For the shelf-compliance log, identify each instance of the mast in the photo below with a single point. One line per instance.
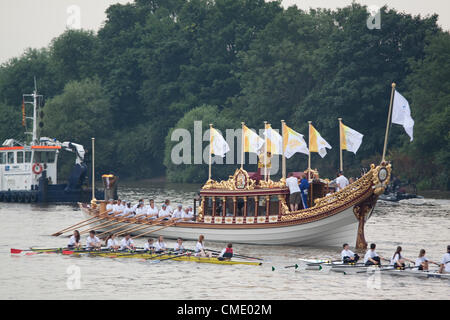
(341, 166)
(93, 168)
(388, 122)
(265, 152)
(35, 113)
(210, 134)
(283, 157)
(309, 146)
(242, 145)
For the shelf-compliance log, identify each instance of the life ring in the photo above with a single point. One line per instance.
(37, 168)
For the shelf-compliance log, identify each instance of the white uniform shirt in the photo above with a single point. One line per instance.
(152, 211)
(292, 184)
(199, 247)
(163, 213)
(116, 208)
(420, 260)
(160, 246)
(72, 241)
(177, 214)
(347, 253)
(187, 214)
(446, 262)
(112, 243)
(341, 182)
(148, 246)
(395, 259)
(178, 247)
(169, 208)
(124, 243)
(91, 242)
(370, 254)
(109, 206)
(141, 211)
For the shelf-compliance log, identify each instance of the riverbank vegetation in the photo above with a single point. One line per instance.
(158, 65)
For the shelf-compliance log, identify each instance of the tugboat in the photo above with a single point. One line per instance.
(28, 171)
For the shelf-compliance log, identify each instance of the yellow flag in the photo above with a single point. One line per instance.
(316, 142)
(350, 139)
(293, 142)
(252, 141)
(274, 140)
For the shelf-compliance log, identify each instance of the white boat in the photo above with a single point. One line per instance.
(243, 210)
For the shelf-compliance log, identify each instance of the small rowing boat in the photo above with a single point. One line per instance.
(417, 273)
(144, 255)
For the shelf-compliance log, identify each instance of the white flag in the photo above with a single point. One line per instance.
(350, 139)
(252, 141)
(274, 140)
(293, 142)
(401, 114)
(218, 144)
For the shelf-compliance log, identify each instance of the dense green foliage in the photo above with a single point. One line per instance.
(159, 65)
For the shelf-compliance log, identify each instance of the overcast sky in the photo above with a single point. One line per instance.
(34, 23)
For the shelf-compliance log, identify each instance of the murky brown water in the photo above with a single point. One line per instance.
(413, 224)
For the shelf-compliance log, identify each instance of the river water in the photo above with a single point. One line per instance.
(413, 224)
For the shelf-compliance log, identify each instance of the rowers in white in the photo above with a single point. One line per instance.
(178, 213)
(200, 248)
(422, 261)
(140, 211)
(74, 241)
(167, 203)
(160, 245)
(187, 214)
(398, 260)
(164, 213)
(152, 210)
(127, 243)
(178, 247)
(112, 243)
(445, 263)
(92, 241)
(347, 255)
(110, 206)
(371, 257)
(149, 246)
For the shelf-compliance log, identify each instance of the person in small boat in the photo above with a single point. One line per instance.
(127, 212)
(398, 261)
(112, 243)
(178, 247)
(164, 213)
(422, 261)
(200, 248)
(226, 253)
(92, 241)
(445, 262)
(188, 214)
(110, 206)
(168, 207)
(149, 246)
(294, 190)
(176, 215)
(117, 208)
(140, 211)
(304, 187)
(347, 255)
(74, 241)
(152, 210)
(127, 243)
(137, 204)
(371, 257)
(160, 245)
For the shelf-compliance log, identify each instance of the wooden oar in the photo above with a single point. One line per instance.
(151, 231)
(80, 224)
(140, 227)
(237, 255)
(175, 256)
(126, 224)
(110, 222)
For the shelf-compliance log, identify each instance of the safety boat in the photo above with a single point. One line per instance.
(28, 170)
(246, 210)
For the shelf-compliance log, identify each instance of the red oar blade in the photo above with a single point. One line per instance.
(67, 252)
(16, 250)
(31, 253)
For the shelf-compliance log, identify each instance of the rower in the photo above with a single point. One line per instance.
(167, 203)
(445, 263)
(92, 241)
(117, 206)
(200, 248)
(110, 206)
(137, 205)
(74, 241)
(422, 262)
(347, 255)
(188, 214)
(178, 212)
(149, 246)
(127, 212)
(178, 247)
(127, 243)
(112, 243)
(398, 261)
(140, 211)
(160, 245)
(371, 257)
(152, 210)
(164, 212)
(226, 253)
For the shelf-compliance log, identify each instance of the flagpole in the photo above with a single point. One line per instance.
(283, 157)
(341, 166)
(265, 152)
(309, 146)
(210, 135)
(242, 146)
(388, 122)
(93, 168)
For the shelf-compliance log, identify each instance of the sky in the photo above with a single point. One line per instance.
(34, 23)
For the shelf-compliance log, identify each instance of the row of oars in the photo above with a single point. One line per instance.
(112, 220)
